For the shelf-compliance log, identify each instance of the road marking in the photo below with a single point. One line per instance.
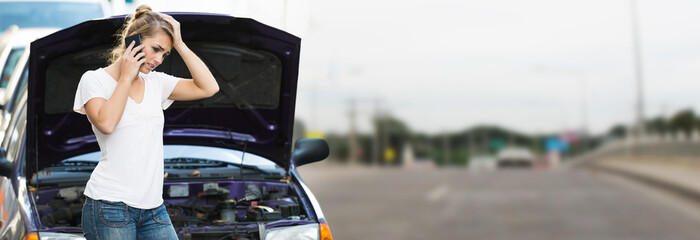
(438, 193)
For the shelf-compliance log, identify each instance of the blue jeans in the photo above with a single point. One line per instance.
(115, 220)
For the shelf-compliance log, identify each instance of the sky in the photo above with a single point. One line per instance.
(537, 66)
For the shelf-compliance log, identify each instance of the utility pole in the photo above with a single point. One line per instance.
(446, 147)
(470, 146)
(470, 143)
(385, 137)
(376, 153)
(639, 122)
(353, 132)
(584, 104)
(486, 142)
(584, 114)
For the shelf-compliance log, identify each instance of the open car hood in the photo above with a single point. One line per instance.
(255, 65)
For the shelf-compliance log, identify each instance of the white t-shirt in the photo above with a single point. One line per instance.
(130, 169)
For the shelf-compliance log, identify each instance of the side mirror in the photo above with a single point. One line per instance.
(6, 167)
(309, 150)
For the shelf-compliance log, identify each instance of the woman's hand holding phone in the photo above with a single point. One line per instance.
(133, 38)
(131, 61)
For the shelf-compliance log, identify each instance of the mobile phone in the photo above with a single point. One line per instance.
(133, 38)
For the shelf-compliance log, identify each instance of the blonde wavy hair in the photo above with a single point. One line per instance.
(145, 22)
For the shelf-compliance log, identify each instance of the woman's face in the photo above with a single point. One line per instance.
(156, 48)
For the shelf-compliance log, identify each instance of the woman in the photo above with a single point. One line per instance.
(124, 102)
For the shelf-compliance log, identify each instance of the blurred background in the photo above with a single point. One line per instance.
(501, 119)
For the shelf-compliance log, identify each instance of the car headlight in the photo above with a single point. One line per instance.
(303, 232)
(60, 236)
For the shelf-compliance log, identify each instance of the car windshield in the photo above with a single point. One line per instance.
(17, 93)
(10, 64)
(182, 162)
(47, 14)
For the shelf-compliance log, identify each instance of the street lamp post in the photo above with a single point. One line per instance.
(639, 128)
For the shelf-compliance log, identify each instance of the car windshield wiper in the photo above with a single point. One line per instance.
(195, 163)
(72, 166)
(208, 168)
(65, 173)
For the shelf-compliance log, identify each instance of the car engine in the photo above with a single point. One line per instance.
(198, 210)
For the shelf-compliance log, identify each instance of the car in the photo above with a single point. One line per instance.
(230, 172)
(14, 55)
(515, 157)
(10, 218)
(50, 13)
(4, 37)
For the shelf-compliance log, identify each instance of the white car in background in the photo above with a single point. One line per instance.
(50, 13)
(23, 21)
(14, 59)
(515, 157)
(14, 55)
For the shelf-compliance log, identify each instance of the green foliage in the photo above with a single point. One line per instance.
(392, 134)
(438, 157)
(657, 125)
(460, 157)
(456, 156)
(618, 131)
(684, 121)
(339, 147)
(421, 145)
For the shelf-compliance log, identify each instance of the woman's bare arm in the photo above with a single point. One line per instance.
(202, 84)
(105, 114)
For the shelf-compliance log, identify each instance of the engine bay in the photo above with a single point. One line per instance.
(198, 210)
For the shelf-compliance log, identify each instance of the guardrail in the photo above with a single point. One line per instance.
(670, 163)
(676, 147)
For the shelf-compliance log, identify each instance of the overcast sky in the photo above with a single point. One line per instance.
(444, 65)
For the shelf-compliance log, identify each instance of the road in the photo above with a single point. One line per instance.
(375, 203)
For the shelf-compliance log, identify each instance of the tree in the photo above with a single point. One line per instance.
(618, 131)
(657, 125)
(391, 136)
(683, 121)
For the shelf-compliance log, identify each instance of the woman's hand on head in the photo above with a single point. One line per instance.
(176, 28)
(131, 61)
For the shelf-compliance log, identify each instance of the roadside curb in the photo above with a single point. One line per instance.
(654, 181)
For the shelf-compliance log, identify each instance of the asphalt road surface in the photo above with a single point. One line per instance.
(373, 203)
